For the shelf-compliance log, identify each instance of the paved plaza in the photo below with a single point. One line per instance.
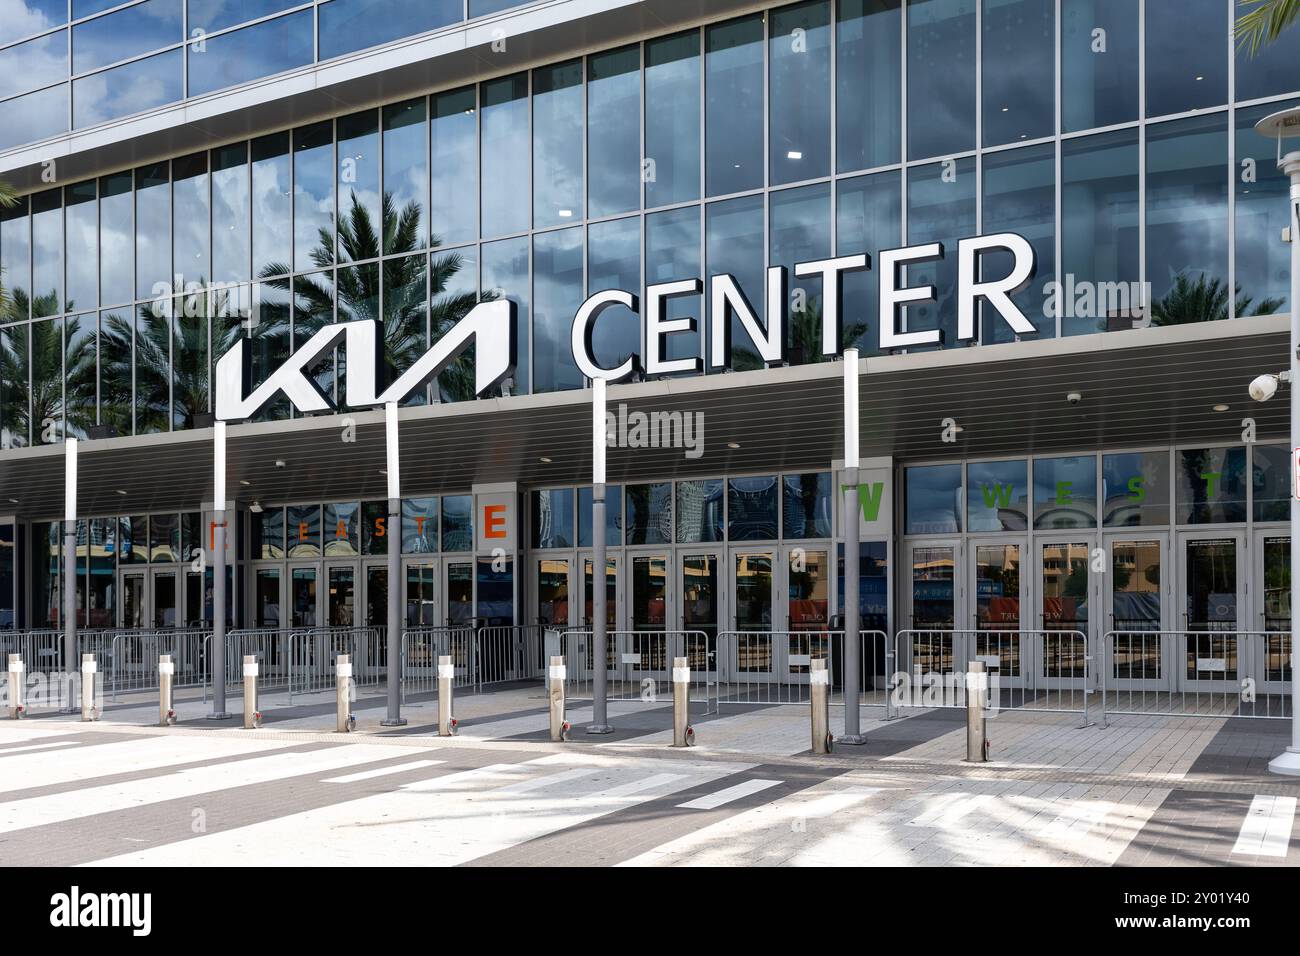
(1141, 790)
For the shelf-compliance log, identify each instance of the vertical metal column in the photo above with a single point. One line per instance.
(88, 671)
(977, 701)
(555, 677)
(166, 670)
(70, 567)
(819, 696)
(219, 573)
(393, 535)
(599, 628)
(683, 733)
(852, 533)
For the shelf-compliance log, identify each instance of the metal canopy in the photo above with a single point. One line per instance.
(1140, 388)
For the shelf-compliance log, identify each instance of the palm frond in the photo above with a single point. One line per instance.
(1264, 23)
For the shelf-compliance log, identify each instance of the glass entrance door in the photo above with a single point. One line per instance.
(1064, 584)
(551, 592)
(612, 605)
(1272, 600)
(700, 593)
(933, 597)
(267, 599)
(460, 593)
(753, 593)
(166, 599)
(808, 610)
(641, 652)
(997, 599)
(133, 604)
(341, 595)
(376, 601)
(421, 597)
(303, 603)
(1136, 656)
(1211, 599)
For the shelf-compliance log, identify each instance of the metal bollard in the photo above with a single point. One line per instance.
(683, 732)
(555, 677)
(447, 724)
(88, 669)
(166, 670)
(346, 720)
(819, 686)
(17, 707)
(252, 717)
(977, 701)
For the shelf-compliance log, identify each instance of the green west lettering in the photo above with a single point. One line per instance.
(1064, 492)
(997, 495)
(1136, 491)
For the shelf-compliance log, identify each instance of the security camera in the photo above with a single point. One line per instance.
(1074, 398)
(1263, 387)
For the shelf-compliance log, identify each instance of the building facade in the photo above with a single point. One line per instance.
(197, 172)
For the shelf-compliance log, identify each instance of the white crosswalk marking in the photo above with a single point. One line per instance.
(1077, 819)
(50, 746)
(383, 771)
(74, 804)
(547, 782)
(659, 781)
(832, 803)
(1266, 831)
(714, 800)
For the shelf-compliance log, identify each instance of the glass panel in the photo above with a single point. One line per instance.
(33, 16)
(303, 523)
(649, 592)
(116, 332)
(1065, 492)
(505, 166)
(341, 526)
(189, 362)
(868, 218)
(1186, 59)
(1277, 593)
(164, 538)
(460, 593)
(268, 533)
(1135, 609)
(940, 208)
(1260, 215)
(313, 196)
(1020, 197)
(272, 242)
(457, 523)
(1268, 71)
(374, 527)
(672, 119)
(553, 591)
(1271, 483)
(358, 189)
(358, 298)
(941, 77)
(1065, 608)
(1211, 485)
(303, 587)
(799, 93)
(672, 251)
(807, 510)
(81, 374)
(453, 282)
(557, 144)
(736, 248)
(868, 74)
(933, 499)
(421, 609)
(799, 230)
(1099, 63)
(349, 25)
(649, 513)
(47, 403)
(253, 52)
(313, 310)
(1099, 247)
(614, 262)
(128, 89)
(133, 540)
(147, 26)
(754, 611)
(1187, 220)
(614, 143)
(496, 593)
(35, 116)
(47, 252)
(269, 343)
(810, 591)
(1211, 568)
(133, 609)
(1017, 53)
(700, 593)
(165, 600)
(405, 317)
(557, 295)
(1136, 488)
(611, 593)
(733, 84)
(613, 516)
(230, 223)
(419, 525)
(997, 496)
(505, 276)
(377, 603)
(997, 604)
(406, 177)
(933, 589)
(116, 241)
(699, 511)
(453, 132)
(752, 509)
(342, 597)
(153, 270)
(552, 514)
(873, 590)
(189, 221)
(80, 216)
(153, 334)
(212, 15)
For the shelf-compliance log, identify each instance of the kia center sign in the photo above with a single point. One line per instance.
(491, 328)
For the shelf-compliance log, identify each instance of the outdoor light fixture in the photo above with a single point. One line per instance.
(544, 460)
(255, 507)
(794, 154)
(1285, 125)
(733, 445)
(1220, 407)
(245, 482)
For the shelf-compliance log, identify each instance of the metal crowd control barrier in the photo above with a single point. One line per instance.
(481, 655)
(775, 667)
(303, 660)
(638, 664)
(1197, 673)
(1028, 669)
